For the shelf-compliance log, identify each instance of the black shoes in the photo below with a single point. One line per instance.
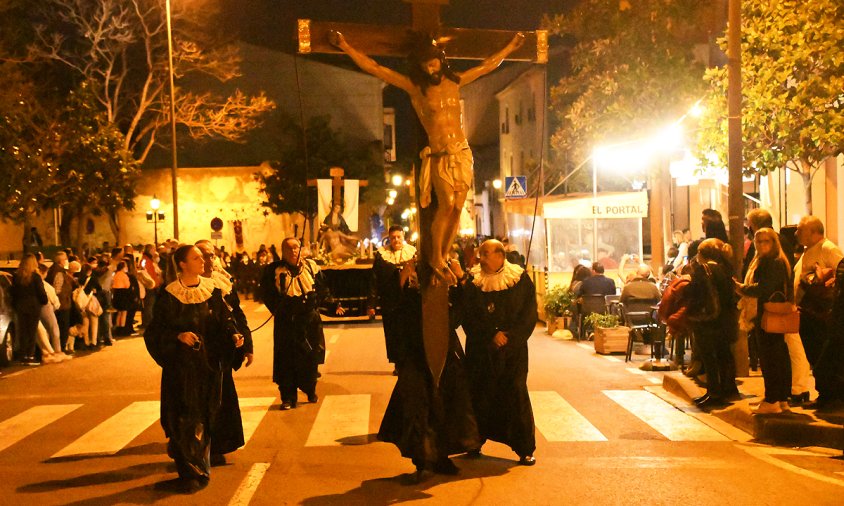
(712, 402)
(798, 399)
(527, 460)
(287, 406)
(218, 459)
(313, 398)
(30, 361)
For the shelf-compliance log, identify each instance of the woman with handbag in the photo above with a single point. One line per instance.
(768, 281)
(89, 306)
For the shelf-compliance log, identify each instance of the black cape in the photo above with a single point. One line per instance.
(228, 426)
(498, 376)
(191, 379)
(428, 423)
(298, 338)
(386, 286)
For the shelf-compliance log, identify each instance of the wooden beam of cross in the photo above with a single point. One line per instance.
(378, 40)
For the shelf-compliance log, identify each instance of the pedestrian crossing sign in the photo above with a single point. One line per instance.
(516, 187)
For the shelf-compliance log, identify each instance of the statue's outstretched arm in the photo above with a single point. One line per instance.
(369, 65)
(493, 61)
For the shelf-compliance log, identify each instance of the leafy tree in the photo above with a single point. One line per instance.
(28, 141)
(633, 71)
(792, 82)
(60, 153)
(96, 173)
(285, 185)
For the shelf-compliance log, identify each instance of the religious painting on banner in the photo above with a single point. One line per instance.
(350, 198)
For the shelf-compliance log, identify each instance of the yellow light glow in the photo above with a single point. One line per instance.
(398, 180)
(496, 183)
(697, 110)
(393, 194)
(155, 204)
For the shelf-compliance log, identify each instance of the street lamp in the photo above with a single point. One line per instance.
(154, 216)
(496, 183)
(174, 168)
(398, 180)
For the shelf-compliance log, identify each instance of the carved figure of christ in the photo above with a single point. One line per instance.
(448, 159)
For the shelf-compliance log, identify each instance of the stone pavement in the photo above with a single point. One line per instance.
(801, 427)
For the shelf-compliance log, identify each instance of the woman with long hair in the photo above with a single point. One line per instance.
(769, 278)
(713, 319)
(28, 296)
(191, 336)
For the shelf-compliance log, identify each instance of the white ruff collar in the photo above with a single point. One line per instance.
(505, 278)
(192, 294)
(222, 280)
(397, 257)
(299, 285)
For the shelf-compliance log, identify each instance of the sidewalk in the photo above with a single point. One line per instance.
(801, 427)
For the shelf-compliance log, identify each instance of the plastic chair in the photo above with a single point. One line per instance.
(638, 316)
(589, 304)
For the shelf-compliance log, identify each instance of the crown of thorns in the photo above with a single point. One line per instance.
(426, 46)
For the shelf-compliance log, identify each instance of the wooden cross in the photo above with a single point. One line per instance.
(376, 40)
(336, 174)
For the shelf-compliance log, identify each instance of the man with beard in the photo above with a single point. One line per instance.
(228, 425)
(499, 307)
(386, 285)
(447, 164)
(292, 289)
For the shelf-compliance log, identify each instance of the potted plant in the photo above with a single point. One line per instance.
(610, 337)
(558, 301)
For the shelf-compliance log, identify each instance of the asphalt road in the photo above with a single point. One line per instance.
(86, 432)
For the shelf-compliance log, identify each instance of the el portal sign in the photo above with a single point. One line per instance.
(604, 206)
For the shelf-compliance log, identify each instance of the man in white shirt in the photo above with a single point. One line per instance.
(813, 270)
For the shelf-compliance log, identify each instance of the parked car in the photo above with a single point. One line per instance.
(7, 327)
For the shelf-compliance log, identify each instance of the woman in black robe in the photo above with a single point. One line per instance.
(191, 336)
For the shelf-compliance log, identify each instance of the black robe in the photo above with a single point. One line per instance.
(498, 376)
(191, 379)
(386, 285)
(424, 422)
(228, 426)
(298, 339)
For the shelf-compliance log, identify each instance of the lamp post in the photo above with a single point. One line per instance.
(154, 216)
(174, 167)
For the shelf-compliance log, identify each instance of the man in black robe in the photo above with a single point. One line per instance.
(499, 307)
(228, 425)
(292, 289)
(386, 287)
(426, 422)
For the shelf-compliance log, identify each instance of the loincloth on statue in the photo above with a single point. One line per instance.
(454, 166)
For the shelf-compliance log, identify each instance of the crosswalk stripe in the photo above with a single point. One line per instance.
(333, 339)
(557, 420)
(340, 417)
(249, 485)
(116, 432)
(252, 411)
(663, 417)
(30, 421)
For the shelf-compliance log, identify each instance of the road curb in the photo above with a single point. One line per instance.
(801, 427)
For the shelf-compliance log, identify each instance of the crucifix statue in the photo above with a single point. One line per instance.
(434, 91)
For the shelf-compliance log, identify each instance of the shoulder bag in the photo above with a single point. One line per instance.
(780, 317)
